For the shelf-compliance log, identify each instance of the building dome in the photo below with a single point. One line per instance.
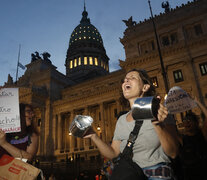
(86, 55)
(85, 32)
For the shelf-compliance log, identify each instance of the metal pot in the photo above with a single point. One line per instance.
(145, 108)
(80, 125)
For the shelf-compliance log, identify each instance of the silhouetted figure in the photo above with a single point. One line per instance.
(193, 154)
(46, 56)
(10, 80)
(166, 6)
(37, 55)
(33, 57)
(129, 23)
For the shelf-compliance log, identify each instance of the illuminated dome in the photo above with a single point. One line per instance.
(85, 32)
(86, 56)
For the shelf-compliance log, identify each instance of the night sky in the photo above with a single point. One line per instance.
(46, 25)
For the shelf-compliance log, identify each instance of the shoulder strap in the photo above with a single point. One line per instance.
(128, 152)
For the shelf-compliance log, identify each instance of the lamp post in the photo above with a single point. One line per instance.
(164, 74)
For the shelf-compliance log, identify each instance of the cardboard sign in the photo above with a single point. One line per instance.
(9, 110)
(178, 101)
(11, 169)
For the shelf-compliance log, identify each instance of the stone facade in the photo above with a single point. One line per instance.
(182, 35)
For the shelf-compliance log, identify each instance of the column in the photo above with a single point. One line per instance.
(42, 137)
(72, 137)
(59, 132)
(103, 125)
(67, 122)
(54, 129)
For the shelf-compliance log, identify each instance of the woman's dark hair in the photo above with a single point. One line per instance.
(146, 80)
(25, 130)
(28, 129)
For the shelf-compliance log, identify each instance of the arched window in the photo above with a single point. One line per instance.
(85, 61)
(96, 61)
(75, 62)
(90, 60)
(71, 64)
(79, 61)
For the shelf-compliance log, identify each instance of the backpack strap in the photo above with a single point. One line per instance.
(128, 152)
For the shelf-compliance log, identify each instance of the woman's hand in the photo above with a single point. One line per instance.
(161, 115)
(89, 133)
(2, 137)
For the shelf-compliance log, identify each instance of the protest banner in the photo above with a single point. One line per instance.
(178, 101)
(14, 169)
(9, 110)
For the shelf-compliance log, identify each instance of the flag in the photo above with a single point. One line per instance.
(21, 66)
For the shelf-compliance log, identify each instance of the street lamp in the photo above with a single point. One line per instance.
(164, 74)
(98, 128)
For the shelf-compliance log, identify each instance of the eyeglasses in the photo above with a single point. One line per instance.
(29, 111)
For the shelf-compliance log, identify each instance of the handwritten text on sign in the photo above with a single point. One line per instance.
(178, 101)
(9, 110)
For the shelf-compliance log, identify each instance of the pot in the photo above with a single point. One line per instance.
(145, 108)
(80, 125)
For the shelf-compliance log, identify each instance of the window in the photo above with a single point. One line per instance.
(71, 64)
(178, 76)
(75, 62)
(173, 38)
(154, 81)
(85, 61)
(198, 29)
(165, 41)
(79, 61)
(169, 39)
(90, 60)
(96, 61)
(203, 68)
(143, 48)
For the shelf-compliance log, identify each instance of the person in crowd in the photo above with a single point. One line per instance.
(157, 141)
(23, 144)
(203, 121)
(193, 152)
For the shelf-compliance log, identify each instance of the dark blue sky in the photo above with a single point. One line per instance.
(46, 25)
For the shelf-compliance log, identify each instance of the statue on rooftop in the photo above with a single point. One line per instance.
(46, 56)
(10, 80)
(37, 55)
(166, 6)
(33, 57)
(129, 23)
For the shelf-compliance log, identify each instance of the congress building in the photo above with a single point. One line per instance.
(89, 88)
